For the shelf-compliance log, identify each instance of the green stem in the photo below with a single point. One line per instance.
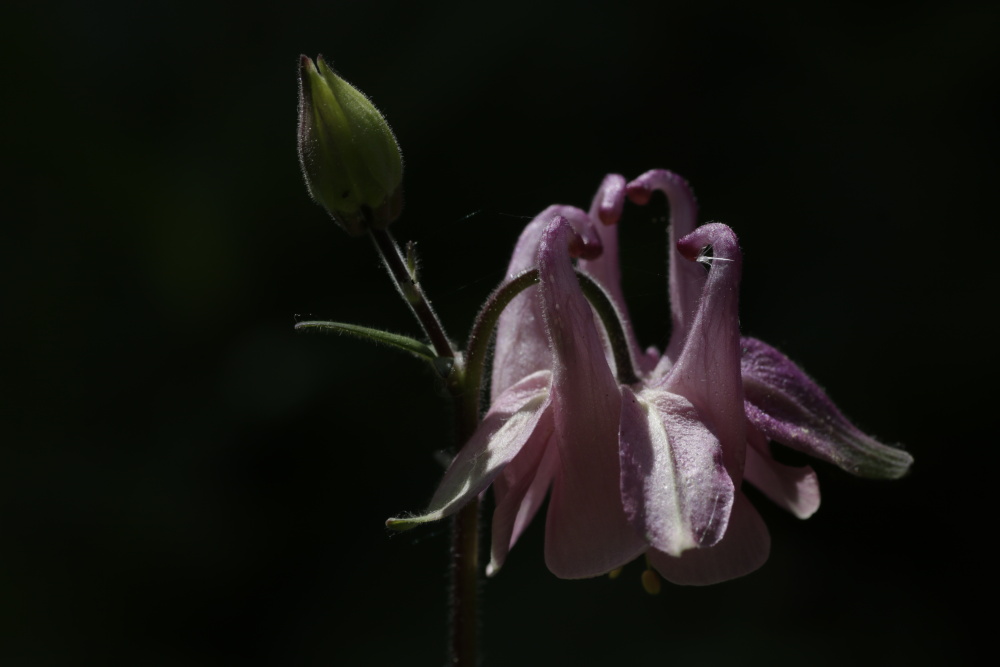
(464, 641)
(606, 310)
(486, 320)
(465, 524)
(464, 573)
(482, 332)
(409, 288)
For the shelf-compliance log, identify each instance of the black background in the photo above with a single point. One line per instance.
(185, 481)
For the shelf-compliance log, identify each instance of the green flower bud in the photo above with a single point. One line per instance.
(349, 156)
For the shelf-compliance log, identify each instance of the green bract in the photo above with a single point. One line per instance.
(349, 155)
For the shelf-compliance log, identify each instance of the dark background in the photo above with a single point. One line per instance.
(185, 481)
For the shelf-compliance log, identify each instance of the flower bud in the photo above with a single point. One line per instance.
(349, 156)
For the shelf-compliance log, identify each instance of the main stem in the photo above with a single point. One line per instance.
(464, 576)
(463, 642)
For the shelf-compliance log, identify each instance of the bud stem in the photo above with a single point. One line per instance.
(410, 290)
(464, 575)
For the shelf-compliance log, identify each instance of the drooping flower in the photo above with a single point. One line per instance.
(782, 403)
(657, 466)
(666, 489)
(533, 431)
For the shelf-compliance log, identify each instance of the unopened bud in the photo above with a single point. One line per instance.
(349, 155)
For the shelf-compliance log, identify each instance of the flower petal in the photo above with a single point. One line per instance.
(607, 207)
(790, 408)
(609, 202)
(686, 279)
(605, 269)
(522, 346)
(707, 372)
(507, 427)
(675, 489)
(794, 489)
(744, 548)
(586, 531)
(520, 491)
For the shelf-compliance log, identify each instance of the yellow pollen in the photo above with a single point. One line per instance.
(651, 582)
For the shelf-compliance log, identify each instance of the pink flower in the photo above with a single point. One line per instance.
(651, 461)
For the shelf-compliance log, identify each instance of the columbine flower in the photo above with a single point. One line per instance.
(667, 488)
(534, 434)
(782, 402)
(655, 465)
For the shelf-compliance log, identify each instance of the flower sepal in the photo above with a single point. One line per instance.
(788, 407)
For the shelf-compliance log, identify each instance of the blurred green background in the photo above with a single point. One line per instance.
(186, 481)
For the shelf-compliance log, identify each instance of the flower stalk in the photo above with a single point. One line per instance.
(464, 602)
(482, 332)
(410, 290)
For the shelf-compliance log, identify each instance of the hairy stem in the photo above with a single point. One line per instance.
(464, 573)
(613, 326)
(409, 288)
(482, 332)
(464, 640)
(466, 389)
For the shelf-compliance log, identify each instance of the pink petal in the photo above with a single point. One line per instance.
(520, 491)
(675, 489)
(686, 279)
(788, 407)
(522, 346)
(744, 548)
(587, 532)
(609, 202)
(607, 207)
(795, 489)
(507, 427)
(707, 372)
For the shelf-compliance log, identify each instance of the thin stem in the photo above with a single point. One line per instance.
(466, 389)
(465, 524)
(482, 331)
(464, 640)
(409, 288)
(605, 308)
(464, 574)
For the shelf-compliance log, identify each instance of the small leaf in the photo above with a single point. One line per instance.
(405, 343)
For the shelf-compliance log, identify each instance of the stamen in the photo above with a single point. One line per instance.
(708, 259)
(651, 582)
